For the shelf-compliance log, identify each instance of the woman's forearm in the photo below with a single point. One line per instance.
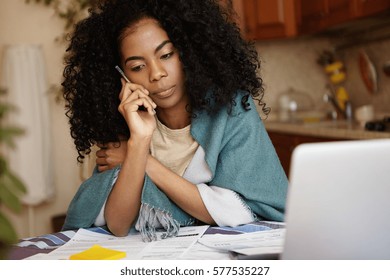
(124, 201)
(182, 192)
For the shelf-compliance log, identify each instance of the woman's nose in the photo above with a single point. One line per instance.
(157, 71)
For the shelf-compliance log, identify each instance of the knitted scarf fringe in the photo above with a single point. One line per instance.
(149, 217)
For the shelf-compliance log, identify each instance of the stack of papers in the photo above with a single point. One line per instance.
(191, 244)
(132, 245)
(253, 243)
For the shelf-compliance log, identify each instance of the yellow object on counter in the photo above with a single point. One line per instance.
(97, 252)
(342, 97)
(336, 66)
(336, 72)
(338, 77)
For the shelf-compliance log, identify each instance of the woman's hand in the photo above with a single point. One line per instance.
(123, 203)
(110, 155)
(133, 97)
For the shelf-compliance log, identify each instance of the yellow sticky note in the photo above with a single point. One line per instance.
(97, 252)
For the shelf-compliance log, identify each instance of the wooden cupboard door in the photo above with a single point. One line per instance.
(312, 14)
(338, 11)
(364, 8)
(319, 14)
(264, 19)
(285, 143)
(312, 10)
(271, 19)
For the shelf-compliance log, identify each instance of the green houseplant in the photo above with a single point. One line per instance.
(11, 187)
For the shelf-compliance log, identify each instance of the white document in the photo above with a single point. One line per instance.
(261, 242)
(135, 248)
(199, 251)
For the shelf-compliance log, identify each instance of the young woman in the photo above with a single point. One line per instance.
(181, 140)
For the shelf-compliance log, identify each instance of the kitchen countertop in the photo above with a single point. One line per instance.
(328, 129)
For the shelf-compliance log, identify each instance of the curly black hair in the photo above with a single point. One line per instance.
(211, 49)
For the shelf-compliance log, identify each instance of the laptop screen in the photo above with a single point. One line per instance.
(338, 201)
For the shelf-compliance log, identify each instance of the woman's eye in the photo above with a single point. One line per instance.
(137, 68)
(166, 56)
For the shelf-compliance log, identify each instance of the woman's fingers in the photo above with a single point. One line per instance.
(135, 105)
(102, 152)
(101, 160)
(102, 168)
(109, 157)
(135, 100)
(147, 104)
(128, 88)
(132, 92)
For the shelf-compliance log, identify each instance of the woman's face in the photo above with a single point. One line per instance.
(149, 59)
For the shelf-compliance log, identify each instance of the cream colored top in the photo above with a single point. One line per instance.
(174, 148)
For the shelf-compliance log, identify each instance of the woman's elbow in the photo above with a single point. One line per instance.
(208, 220)
(118, 230)
(118, 226)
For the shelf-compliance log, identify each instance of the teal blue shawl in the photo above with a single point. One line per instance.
(240, 156)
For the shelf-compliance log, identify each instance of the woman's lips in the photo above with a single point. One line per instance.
(165, 94)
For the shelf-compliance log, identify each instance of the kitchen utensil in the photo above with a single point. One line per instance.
(292, 103)
(364, 114)
(335, 69)
(368, 72)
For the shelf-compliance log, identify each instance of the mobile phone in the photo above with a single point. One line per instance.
(141, 108)
(122, 73)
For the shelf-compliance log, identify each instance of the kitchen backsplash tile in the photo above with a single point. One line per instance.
(292, 64)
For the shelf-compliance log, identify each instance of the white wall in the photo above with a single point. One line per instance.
(24, 24)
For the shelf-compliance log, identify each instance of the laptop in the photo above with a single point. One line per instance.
(338, 204)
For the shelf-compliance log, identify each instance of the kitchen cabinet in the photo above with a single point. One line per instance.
(285, 143)
(363, 8)
(319, 14)
(265, 19)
